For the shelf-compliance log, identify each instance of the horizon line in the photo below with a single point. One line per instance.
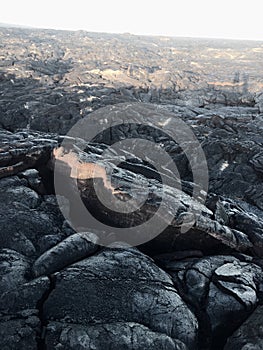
(24, 26)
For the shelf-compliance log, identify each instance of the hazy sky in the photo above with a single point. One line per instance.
(241, 19)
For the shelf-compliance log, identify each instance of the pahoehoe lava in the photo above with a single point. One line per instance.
(199, 290)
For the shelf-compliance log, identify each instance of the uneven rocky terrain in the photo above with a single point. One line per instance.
(59, 287)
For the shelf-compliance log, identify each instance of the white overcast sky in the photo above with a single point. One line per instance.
(241, 19)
